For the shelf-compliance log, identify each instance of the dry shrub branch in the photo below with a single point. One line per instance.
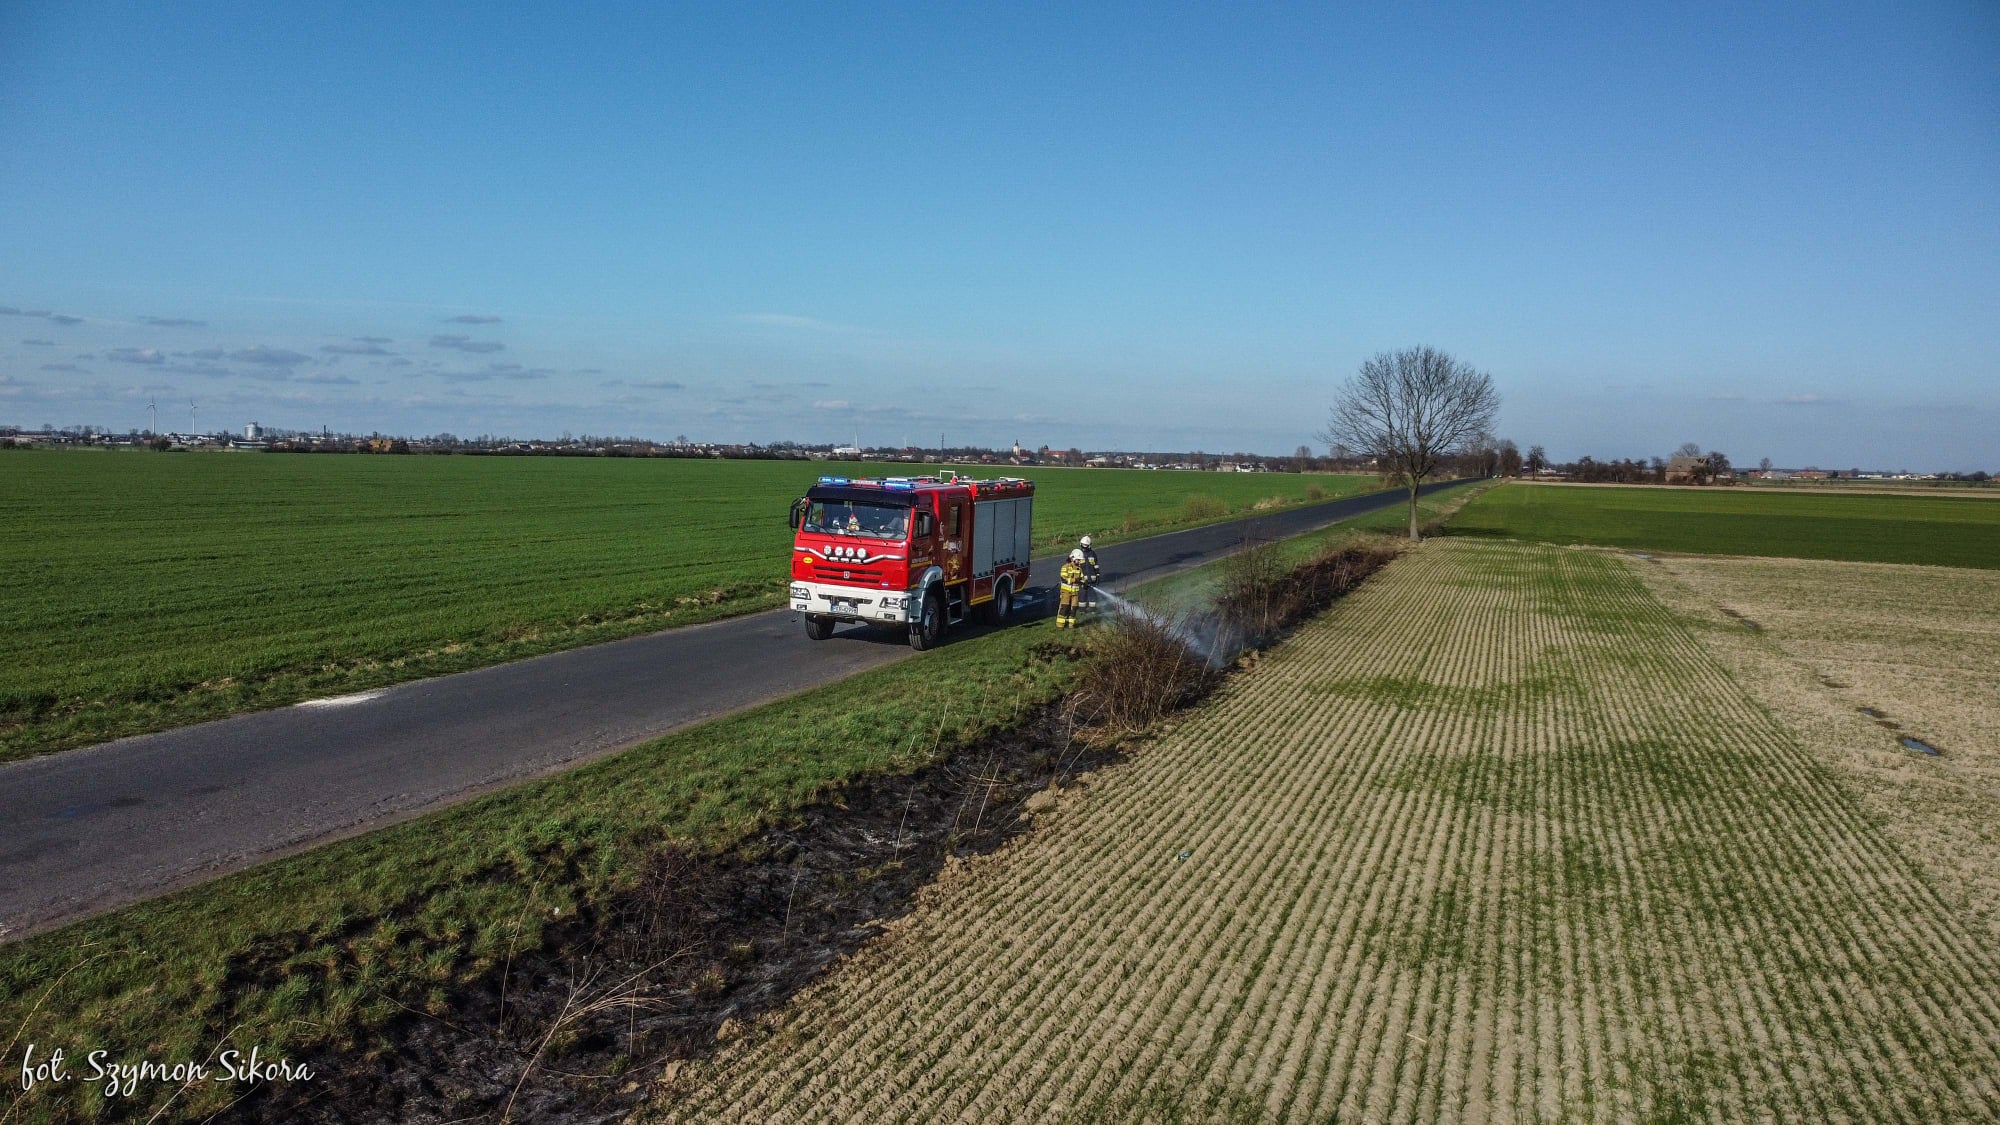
(1142, 669)
(1261, 598)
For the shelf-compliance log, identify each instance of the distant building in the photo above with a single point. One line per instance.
(1686, 470)
(253, 432)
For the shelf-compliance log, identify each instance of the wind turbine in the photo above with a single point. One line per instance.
(153, 414)
(191, 430)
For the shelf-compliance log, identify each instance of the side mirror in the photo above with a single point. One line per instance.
(798, 512)
(925, 525)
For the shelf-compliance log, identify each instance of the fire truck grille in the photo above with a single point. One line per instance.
(853, 572)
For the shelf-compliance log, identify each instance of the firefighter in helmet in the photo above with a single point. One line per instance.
(1090, 575)
(1072, 589)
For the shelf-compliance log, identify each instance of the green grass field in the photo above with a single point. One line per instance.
(1933, 530)
(145, 590)
(325, 947)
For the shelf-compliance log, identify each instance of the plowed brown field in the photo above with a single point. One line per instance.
(1497, 839)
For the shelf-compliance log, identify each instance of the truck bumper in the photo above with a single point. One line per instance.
(854, 603)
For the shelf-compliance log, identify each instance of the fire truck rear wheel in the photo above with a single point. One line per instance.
(819, 628)
(997, 611)
(930, 624)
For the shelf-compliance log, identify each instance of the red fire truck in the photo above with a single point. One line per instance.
(920, 552)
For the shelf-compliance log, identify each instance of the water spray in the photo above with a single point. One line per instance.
(1204, 634)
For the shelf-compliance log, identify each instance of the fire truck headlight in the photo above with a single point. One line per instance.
(799, 593)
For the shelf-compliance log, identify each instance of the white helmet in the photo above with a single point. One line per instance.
(1076, 555)
(1086, 540)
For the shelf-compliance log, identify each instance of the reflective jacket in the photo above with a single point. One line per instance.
(1072, 578)
(1089, 565)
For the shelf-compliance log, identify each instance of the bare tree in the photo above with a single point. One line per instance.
(1412, 410)
(1538, 459)
(1510, 458)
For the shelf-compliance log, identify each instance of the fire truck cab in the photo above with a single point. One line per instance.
(917, 552)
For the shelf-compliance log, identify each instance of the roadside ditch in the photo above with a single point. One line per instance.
(620, 994)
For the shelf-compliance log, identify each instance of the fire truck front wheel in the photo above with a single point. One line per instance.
(819, 628)
(929, 626)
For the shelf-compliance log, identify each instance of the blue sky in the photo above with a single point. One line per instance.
(1772, 230)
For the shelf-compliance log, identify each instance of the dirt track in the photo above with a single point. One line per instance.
(1498, 839)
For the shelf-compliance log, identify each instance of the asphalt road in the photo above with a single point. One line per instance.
(87, 830)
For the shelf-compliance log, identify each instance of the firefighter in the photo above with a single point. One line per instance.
(1090, 575)
(1072, 589)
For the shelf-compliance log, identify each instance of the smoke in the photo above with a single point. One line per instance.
(1202, 632)
(1258, 599)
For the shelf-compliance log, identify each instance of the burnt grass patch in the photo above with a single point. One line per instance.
(616, 997)
(577, 1029)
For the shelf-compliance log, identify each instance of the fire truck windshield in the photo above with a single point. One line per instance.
(853, 517)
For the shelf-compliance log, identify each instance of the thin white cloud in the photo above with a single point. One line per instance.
(1804, 400)
(269, 357)
(41, 314)
(467, 344)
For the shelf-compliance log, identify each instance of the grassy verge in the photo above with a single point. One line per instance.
(316, 951)
(169, 590)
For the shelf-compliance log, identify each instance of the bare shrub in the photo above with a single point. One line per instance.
(1142, 670)
(1203, 507)
(1315, 494)
(1261, 597)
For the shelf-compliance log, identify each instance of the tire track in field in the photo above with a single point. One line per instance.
(1496, 839)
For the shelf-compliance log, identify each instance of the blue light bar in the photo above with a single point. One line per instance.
(833, 480)
(903, 484)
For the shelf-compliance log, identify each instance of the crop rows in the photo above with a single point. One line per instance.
(1495, 840)
(1858, 656)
